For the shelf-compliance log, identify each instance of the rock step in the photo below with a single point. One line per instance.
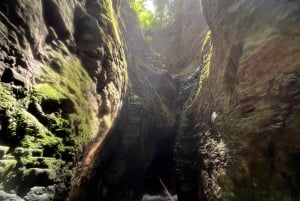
(20, 151)
(39, 176)
(9, 197)
(43, 158)
(41, 162)
(40, 193)
(8, 157)
(3, 151)
(6, 165)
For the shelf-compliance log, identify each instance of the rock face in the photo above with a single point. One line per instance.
(183, 47)
(63, 74)
(139, 148)
(241, 136)
(179, 44)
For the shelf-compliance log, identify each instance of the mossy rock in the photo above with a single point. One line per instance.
(41, 162)
(3, 150)
(39, 177)
(6, 165)
(48, 91)
(23, 152)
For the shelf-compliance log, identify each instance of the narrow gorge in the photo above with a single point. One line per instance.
(94, 109)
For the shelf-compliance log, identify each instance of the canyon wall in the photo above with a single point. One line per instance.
(179, 44)
(139, 148)
(244, 122)
(63, 75)
(210, 105)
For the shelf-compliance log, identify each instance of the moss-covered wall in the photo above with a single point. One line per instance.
(140, 144)
(57, 92)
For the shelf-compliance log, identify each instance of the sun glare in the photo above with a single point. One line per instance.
(150, 6)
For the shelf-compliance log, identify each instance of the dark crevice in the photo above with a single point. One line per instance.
(54, 19)
(7, 76)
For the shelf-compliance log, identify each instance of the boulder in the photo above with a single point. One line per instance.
(38, 193)
(3, 151)
(9, 197)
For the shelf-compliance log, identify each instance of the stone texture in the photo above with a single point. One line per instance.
(182, 47)
(139, 148)
(228, 107)
(39, 194)
(179, 44)
(53, 100)
(245, 118)
(3, 151)
(9, 197)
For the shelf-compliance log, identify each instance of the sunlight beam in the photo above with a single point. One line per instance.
(150, 6)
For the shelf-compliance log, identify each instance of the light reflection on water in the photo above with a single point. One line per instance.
(157, 198)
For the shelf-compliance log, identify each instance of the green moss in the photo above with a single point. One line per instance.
(14, 124)
(20, 128)
(7, 101)
(26, 131)
(45, 140)
(59, 134)
(111, 16)
(5, 95)
(29, 162)
(41, 162)
(6, 166)
(48, 91)
(52, 163)
(16, 127)
(72, 83)
(7, 170)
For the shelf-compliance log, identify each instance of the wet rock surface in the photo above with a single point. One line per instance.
(11, 197)
(52, 102)
(158, 198)
(40, 194)
(139, 148)
(243, 120)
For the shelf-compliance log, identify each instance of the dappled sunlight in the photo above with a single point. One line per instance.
(149, 5)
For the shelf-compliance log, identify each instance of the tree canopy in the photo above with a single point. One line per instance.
(145, 16)
(165, 12)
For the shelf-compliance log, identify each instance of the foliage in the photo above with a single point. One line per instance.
(166, 10)
(145, 17)
(164, 14)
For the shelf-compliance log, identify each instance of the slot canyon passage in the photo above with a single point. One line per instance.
(94, 108)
